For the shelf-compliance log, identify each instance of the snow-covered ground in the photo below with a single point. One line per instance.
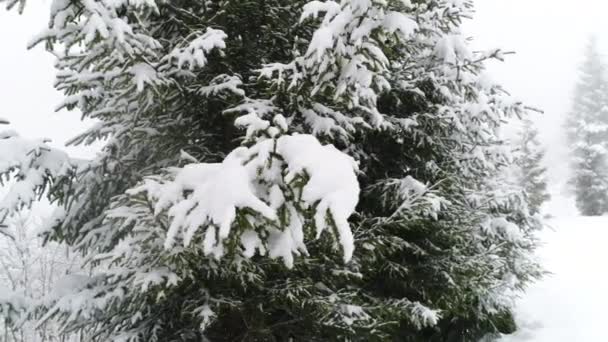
(568, 305)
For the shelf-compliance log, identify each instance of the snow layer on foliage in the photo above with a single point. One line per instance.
(143, 74)
(502, 227)
(452, 48)
(223, 83)
(252, 122)
(352, 313)
(340, 19)
(208, 196)
(425, 317)
(31, 162)
(344, 53)
(250, 242)
(155, 276)
(194, 54)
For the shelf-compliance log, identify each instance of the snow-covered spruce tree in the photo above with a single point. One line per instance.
(587, 132)
(531, 174)
(285, 170)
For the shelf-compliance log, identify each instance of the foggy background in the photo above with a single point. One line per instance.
(548, 37)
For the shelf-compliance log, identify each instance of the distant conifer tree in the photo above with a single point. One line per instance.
(532, 175)
(587, 131)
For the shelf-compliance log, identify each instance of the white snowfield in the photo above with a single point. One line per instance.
(570, 304)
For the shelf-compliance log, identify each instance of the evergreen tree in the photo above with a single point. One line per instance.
(531, 173)
(587, 131)
(266, 178)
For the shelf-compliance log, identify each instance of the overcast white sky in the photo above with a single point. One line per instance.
(27, 96)
(548, 36)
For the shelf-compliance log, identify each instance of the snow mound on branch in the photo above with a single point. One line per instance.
(217, 191)
(250, 186)
(332, 182)
(194, 55)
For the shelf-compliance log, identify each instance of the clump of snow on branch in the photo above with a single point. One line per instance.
(194, 53)
(270, 185)
(333, 183)
(30, 164)
(502, 227)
